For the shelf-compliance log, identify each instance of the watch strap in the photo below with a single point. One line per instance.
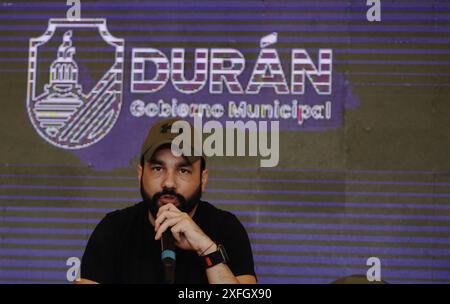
(216, 257)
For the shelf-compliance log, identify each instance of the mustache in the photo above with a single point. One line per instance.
(169, 191)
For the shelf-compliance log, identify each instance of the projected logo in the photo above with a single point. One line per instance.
(63, 112)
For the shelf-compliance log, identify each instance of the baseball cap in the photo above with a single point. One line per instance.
(161, 134)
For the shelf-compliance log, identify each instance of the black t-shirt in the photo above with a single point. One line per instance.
(123, 249)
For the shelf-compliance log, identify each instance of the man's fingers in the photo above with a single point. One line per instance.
(167, 207)
(167, 223)
(163, 216)
(177, 229)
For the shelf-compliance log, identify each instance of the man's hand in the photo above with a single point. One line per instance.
(187, 234)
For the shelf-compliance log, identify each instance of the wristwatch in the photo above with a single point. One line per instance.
(216, 257)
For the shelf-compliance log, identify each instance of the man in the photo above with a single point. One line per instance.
(212, 246)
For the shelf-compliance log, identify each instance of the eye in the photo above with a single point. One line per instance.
(184, 171)
(156, 168)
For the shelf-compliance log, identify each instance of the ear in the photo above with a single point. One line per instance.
(139, 172)
(204, 179)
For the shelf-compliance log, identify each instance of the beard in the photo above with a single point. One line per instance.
(184, 204)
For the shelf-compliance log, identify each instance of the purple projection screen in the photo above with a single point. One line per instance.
(360, 94)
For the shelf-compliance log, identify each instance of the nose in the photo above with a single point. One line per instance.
(169, 180)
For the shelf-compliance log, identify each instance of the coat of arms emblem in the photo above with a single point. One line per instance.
(63, 112)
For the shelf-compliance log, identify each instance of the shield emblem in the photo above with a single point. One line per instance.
(63, 111)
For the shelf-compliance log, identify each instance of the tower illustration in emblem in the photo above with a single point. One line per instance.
(64, 95)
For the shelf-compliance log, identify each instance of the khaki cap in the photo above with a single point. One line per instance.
(160, 134)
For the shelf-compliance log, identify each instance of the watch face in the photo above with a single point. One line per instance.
(223, 252)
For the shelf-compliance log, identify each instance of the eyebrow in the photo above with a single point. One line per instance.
(184, 163)
(156, 162)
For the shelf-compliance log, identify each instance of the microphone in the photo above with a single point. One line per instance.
(168, 256)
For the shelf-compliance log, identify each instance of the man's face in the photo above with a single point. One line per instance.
(168, 179)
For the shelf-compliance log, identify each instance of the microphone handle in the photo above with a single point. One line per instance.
(168, 241)
(168, 256)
